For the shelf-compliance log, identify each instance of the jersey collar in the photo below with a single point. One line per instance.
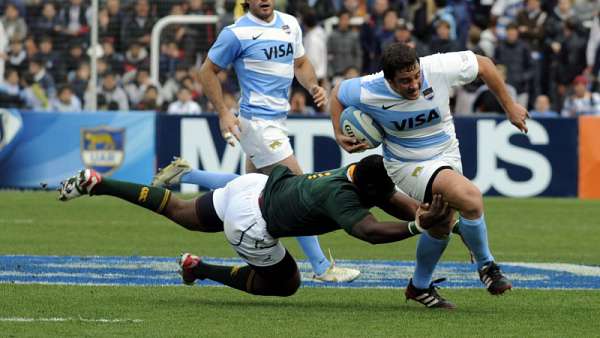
(262, 22)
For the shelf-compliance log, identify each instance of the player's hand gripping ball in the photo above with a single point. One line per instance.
(360, 125)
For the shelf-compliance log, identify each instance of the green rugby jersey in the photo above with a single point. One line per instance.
(311, 204)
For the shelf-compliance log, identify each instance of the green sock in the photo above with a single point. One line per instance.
(152, 198)
(237, 277)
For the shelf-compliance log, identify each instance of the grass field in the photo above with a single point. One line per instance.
(520, 230)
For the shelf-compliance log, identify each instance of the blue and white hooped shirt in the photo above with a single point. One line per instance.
(262, 54)
(415, 130)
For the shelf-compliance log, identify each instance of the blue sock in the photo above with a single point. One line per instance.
(474, 232)
(429, 252)
(312, 250)
(207, 179)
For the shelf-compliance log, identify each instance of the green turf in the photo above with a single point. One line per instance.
(530, 230)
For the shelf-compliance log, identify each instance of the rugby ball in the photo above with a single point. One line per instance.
(360, 125)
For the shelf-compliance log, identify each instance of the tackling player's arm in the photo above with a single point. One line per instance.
(434, 218)
(349, 144)
(305, 73)
(516, 113)
(228, 123)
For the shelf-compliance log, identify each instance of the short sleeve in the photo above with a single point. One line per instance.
(298, 46)
(349, 92)
(225, 50)
(459, 68)
(345, 209)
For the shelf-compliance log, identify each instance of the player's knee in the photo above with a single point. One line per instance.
(472, 202)
(292, 285)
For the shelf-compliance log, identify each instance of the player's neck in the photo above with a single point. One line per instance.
(267, 21)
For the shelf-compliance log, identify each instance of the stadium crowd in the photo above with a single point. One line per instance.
(547, 50)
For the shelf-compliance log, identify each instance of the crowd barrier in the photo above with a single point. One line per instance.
(558, 157)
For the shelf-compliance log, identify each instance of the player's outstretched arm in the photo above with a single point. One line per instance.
(349, 144)
(228, 123)
(515, 113)
(438, 214)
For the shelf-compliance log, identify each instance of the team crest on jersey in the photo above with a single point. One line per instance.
(428, 93)
(103, 148)
(286, 29)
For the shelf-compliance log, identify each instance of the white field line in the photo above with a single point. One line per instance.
(581, 270)
(68, 319)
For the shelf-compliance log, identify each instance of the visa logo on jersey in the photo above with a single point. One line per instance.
(418, 120)
(280, 51)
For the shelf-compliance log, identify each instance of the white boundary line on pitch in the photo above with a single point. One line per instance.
(68, 319)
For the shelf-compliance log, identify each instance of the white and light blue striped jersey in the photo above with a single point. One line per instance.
(263, 57)
(415, 130)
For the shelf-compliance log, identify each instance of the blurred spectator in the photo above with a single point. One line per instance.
(116, 17)
(581, 101)
(443, 12)
(403, 34)
(11, 95)
(343, 47)
(585, 10)
(73, 21)
(34, 94)
(351, 72)
(442, 41)
(80, 80)
(489, 39)
(17, 57)
(516, 56)
(170, 57)
(51, 57)
(322, 8)
(65, 101)
(570, 57)
(138, 26)
(486, 102)
(592, 54)
(14, 25)
(112, 92)
(531, 21)
(37, 69)
(542, 108)
(504, 12)
(136, 89)
(3, 49)
(298, 104)
(74, 56)
(184, 104)
(114, 59)
(150, 100)
(48, 23)
(30, 45)
(385, 33)
(173, 83)
(371, 46)
(315, 44)
(135, 57)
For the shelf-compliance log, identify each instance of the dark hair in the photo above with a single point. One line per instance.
(512, 25)
(344, 11)
(310, 18)
(398, 57)
(372, 180)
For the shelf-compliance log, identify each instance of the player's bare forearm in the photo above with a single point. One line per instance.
(490, 75)
(305, 73)
(212, 86)
(335, 109)
(401, 206)
(372, 231)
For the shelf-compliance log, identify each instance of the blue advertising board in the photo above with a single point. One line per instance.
(54, 146)
(496, 156)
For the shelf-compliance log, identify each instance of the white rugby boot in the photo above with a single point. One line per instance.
(336, 274)
(172, 173)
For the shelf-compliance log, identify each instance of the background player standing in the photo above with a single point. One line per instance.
(265, 48)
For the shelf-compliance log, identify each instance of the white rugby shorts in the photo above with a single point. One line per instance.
(237, 206)
(265, 142)
(413, 177)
